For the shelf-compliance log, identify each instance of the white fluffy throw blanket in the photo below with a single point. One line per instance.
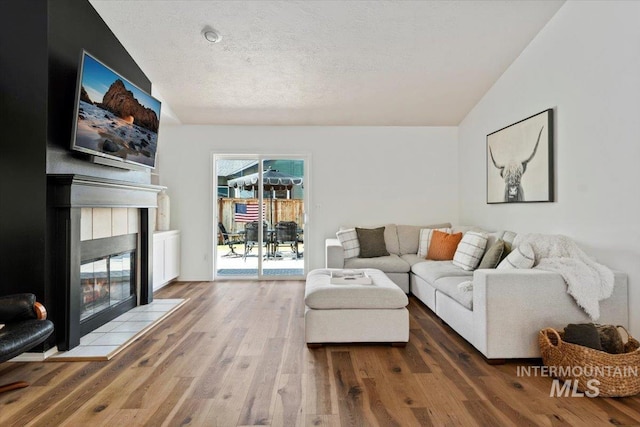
(587, 281)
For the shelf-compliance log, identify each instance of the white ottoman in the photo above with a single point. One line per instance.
(354, 313)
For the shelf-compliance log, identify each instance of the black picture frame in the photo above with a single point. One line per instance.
(520, 161)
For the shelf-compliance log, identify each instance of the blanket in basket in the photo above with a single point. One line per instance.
(588, 282)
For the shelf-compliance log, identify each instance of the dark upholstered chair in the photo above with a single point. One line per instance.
(230, 239)
(287, 234)
(24, 328)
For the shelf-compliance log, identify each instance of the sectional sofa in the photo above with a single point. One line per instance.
(505, 309)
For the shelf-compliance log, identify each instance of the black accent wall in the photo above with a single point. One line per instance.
(74, 25)
(23, 149)
(40, 44)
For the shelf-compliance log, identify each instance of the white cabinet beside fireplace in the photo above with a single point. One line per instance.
(166, 257)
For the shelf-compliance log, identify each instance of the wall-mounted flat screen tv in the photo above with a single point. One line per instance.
(114, 118)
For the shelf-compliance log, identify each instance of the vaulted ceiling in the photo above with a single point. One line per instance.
(393, 63)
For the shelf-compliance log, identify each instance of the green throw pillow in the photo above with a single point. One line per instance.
(493, 255)
(371, 242)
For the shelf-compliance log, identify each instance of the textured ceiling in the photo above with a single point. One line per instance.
(401, 63)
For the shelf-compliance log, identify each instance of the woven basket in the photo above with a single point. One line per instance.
(618, 374)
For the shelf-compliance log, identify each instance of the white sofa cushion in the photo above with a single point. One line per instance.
(425, 239)
(509, 237)
(382, 293)
(465, 292)
(466, 228)
(450, 286)
(389, 264)
(430, 271)
(349, 240)
(412, 258)
(470, 250)
(409, 237)
(520, 257)
(391, 239)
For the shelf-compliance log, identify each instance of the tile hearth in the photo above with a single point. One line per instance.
(111, 338)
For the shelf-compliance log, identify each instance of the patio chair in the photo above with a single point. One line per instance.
(230, 239)
(287, 234)
(251, 237)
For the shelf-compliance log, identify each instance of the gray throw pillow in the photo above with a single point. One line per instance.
(493, 255)
(371, 242)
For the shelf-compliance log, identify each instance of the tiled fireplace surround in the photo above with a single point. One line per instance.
(93, 218)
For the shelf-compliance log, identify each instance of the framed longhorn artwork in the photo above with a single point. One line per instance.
(520, 161)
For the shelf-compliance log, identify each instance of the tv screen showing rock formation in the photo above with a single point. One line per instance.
(114, 118)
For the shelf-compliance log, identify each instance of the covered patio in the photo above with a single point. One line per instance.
(229, 266)
(282, 225)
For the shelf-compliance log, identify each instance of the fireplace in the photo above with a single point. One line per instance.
(105, 283)
(108, 277)
(102, 243)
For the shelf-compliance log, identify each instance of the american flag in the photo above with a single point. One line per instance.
(246, 212)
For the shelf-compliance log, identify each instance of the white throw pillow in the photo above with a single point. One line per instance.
(520, 257)
(509, 237)
(470, 250)
(349, 240)
(425, 240)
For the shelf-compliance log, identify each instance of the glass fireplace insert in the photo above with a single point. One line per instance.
(106, 282)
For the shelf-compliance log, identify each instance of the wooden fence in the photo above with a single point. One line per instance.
(283, 210)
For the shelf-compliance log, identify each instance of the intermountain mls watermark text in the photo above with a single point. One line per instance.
(570, 388)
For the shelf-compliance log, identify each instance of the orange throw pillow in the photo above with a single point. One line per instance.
(443, 245)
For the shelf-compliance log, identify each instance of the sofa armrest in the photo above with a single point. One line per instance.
(334, 254)
(511, 306)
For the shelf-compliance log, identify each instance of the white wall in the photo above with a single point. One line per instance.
(359, 176)
(585, 64)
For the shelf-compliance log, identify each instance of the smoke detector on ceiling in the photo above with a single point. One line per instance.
(211, 35)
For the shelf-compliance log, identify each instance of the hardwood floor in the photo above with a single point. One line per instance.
(235, 355)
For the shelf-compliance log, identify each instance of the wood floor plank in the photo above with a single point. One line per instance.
(169, 403)
(172, 363)
(319, 387)
(257, 406)
(386, 366)
(235, 354)
(295, 351)
(483, 414)
(289, 409)
(76, 399)
(208, 384)
(12, 408)
(190, 412)
(349, 390)
(52, 402)
(314, 420)
(227, 405)
(97, 409)
(414, 360)
(125, 417)
(445, 368)
(518, 410)
(376, 406)
(423, 416)
(367, 362)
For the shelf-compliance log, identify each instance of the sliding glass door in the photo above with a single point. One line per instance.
(259, 217)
